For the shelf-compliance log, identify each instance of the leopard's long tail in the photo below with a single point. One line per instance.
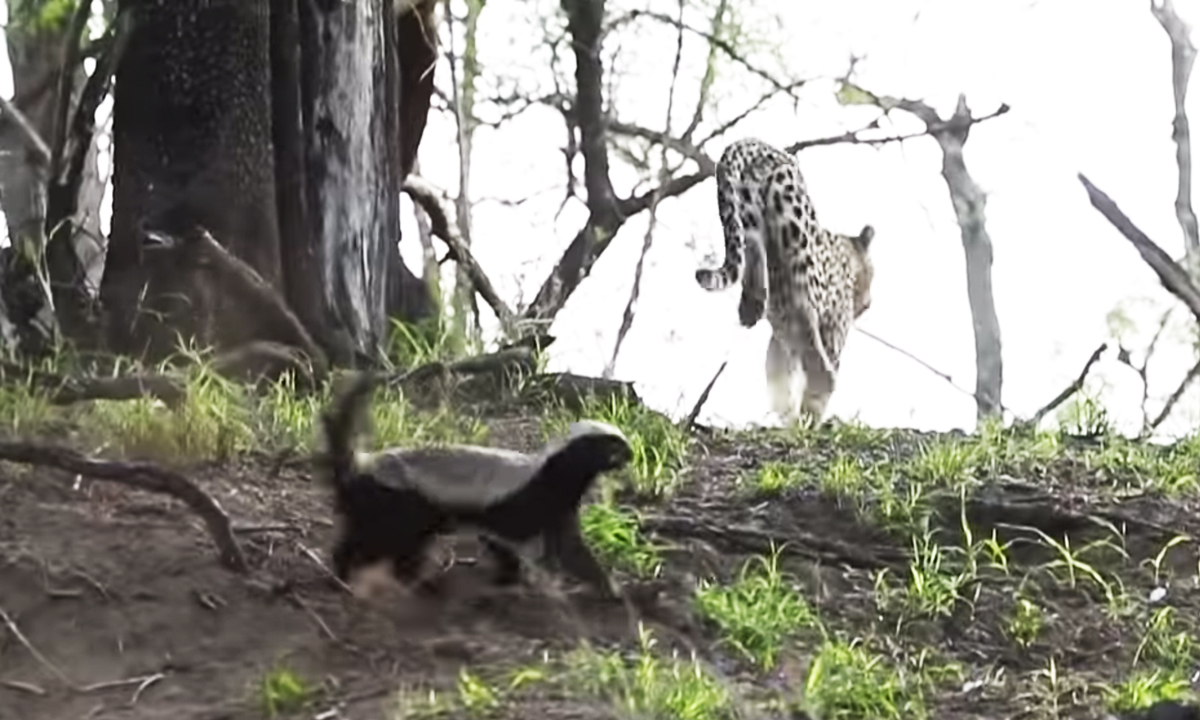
(715, 279)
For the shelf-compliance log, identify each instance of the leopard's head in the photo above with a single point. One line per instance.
(862, 267)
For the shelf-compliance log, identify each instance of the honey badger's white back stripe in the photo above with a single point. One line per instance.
(468, 474)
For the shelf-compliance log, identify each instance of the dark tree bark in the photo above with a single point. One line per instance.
(349, 96)
(192, 138)
(409, 297)
(299, 256)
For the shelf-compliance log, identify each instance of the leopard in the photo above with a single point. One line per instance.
(811, 283)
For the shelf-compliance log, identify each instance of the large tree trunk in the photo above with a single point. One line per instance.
(411, 298)
(34, 53)
(192, 137)
(350, 96)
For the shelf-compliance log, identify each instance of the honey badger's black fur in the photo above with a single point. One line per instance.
(392, 512)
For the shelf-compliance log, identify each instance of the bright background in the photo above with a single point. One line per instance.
(1089, 86)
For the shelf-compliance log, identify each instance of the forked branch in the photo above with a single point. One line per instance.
(423, 194)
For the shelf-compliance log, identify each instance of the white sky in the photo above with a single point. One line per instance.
(1089, 86)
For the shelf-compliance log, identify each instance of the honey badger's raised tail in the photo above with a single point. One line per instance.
(341, 423)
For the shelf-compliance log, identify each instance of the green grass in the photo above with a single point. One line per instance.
(615, 535)
(217, 419)
(641, 683)
(659, 446)
(282, 691)
(846, 682)
(758, 612)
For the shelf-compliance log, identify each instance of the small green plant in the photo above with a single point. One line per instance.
(758, 611)
(844, 477)
(434, 340)
(1144, 688)
(945, 464)
(774, 477)
(283, 691)
(477, 697)
(1084, 416)
(1165, 644)
(615, 534)
(1025, 622)
(937, 582)
(649, 685)
(847, 682)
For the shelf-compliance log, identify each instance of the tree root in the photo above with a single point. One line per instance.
(143, 476)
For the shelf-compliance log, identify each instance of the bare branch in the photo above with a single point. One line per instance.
(1183, 56)
(753, 107)
(663, 173)
(674, 187)
(710, 69)
(680, 145)
(140, 475)
(853, 137)
(721, 44)
(1071, 389)
(424, 195)
(1124, 357)
(690, 421)
(1175, 397)
(35, 142)
(1172, 276)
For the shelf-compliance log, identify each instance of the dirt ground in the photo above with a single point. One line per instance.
(121, 592)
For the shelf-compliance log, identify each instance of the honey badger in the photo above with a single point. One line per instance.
(393, 503)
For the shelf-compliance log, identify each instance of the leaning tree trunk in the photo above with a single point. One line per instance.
(192, 145)
(350, 97)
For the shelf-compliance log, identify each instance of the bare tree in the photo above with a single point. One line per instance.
(49, 230)
(464, 76)
(1183, 56)
(969, 202)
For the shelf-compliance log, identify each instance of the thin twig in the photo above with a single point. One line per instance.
(922, 363)
(1071, 389)
(1176, 396)
(20, 636)
(303, 605)
(690, 421)
(312, 555)
(35, 142)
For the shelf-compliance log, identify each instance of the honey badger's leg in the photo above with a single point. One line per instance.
(564, 548)
(508, 563)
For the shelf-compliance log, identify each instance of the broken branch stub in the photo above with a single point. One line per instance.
(1173, 277)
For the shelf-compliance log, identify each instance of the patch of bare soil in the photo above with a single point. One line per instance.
(124, 612)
